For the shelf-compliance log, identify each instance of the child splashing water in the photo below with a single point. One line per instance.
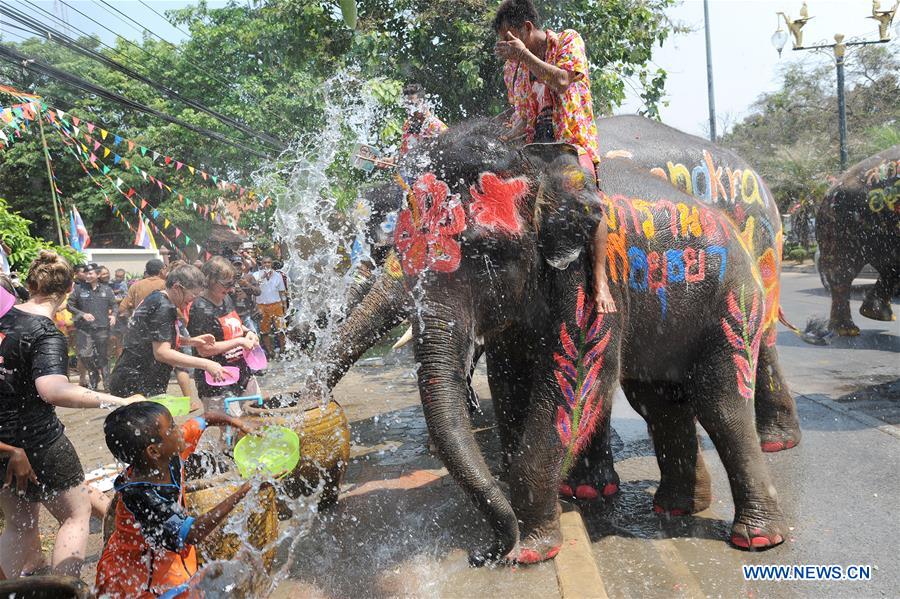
(151, 553)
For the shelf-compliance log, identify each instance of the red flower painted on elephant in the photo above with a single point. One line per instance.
(496, 205)
(577, 372)
(426, 231)
(745, 338)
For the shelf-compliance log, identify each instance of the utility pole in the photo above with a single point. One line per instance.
(709, 75)
(40, 121)
(839, 47)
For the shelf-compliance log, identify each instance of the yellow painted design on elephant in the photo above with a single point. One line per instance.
(643, 207)
(690, 221)
(680, 177)
(392, 266)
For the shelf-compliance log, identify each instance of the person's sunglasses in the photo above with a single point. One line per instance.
(189, 295)
(226, 284)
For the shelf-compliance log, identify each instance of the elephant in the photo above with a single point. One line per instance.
(494, 246)
(714, 175)
(858, 223)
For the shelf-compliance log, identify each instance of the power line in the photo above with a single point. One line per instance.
(75, 46)
(124, 18)
(199, 69)
(32, 64)
(165, 18)
(67, 25)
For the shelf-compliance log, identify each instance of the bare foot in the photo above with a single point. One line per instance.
(604, 299)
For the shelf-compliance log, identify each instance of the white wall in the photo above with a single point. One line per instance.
(133, 261)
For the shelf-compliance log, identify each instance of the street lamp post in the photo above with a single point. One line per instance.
(780, 38)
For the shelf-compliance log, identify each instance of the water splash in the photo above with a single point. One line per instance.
(318, 215)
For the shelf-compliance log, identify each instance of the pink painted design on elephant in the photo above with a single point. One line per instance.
(427, 230)
(745, 339)
(495, 205)
(577, 372)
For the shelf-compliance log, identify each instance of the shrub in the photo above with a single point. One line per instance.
(24, 248)
(798, 254)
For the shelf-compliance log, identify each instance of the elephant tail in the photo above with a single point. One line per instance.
(816, 332)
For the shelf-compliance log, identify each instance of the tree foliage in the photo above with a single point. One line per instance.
(14, 232)
(791, 135)
(264, 63)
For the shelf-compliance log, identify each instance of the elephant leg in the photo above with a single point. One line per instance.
(571, 403)
(728, 419)
(593, 474)
(684, 485)
(509, 376)
(776, 411)
(840, 278)
(877, 304)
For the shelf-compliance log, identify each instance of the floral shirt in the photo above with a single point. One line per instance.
(573, 112)
(432, 127)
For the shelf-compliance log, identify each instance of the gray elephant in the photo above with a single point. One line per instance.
(858, 223)
(714, 175)
(493, 243)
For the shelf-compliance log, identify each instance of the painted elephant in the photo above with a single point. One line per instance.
(858, 223)
(494, 246)
(712, 174)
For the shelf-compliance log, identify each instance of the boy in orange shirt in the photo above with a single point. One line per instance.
(151, 553)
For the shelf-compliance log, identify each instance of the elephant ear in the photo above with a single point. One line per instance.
(565, 210)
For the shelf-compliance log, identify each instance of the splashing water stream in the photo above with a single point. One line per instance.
(302, 182)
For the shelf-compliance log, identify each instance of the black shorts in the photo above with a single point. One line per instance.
(124, 382)
(91, 343)
(57, 468)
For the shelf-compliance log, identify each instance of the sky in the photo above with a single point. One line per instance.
(745, 64)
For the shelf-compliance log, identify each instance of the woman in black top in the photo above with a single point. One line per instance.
(152, 339)
(33, 381)
(214, 313)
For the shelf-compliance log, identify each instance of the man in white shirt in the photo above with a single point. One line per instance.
(271, 304)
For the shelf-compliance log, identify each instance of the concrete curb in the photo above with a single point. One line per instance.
(576, 571)
(884, 427)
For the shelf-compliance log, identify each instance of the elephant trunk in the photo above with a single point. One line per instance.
(382, 308)
(444, 348)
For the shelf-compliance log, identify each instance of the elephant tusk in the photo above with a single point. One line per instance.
(403, 340)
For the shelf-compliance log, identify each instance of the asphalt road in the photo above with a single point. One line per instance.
(838, 488)
(402, 524)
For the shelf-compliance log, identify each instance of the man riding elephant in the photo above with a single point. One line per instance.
(858, 223)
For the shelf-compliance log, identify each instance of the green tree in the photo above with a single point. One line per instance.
(791, 134)
(14, 232)
(264, 63)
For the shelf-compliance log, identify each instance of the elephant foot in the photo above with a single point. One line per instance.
(587, 492)
(774, 439)
(682, 502)
(877, 309)
(774, 446)
(844, 328)
(540, 545)
(754, 538)
(604, 484)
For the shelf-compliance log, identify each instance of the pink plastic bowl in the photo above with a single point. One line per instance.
(232, 374)
(256, 358)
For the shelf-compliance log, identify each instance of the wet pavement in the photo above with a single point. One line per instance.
(402, 526)
(838, 488)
